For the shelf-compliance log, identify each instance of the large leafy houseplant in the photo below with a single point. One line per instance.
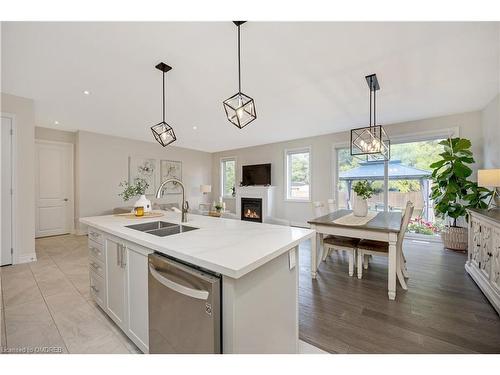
(452, 192)
(450, 179)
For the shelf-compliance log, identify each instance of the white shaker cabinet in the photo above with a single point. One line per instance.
(137, 327)
(115, 281)
(123, 286)
(483, 259)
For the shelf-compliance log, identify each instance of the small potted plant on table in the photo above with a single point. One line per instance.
(364, 191)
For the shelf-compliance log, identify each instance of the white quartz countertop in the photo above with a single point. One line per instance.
(232, 248)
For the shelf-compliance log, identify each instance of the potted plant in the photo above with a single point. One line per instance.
(453, 193)
(137, 188)
(219, 207)
(364, 191)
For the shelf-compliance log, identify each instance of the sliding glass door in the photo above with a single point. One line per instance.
(408, 179)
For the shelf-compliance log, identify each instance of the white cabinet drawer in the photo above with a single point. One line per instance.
(96, 266)
(96, 250)
(96, 236)
(97, 289)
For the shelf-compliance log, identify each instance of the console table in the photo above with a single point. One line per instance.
(483, 260)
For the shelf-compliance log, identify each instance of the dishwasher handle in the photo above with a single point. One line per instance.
(194, 293)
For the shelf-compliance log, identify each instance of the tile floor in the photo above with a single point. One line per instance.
(46, 304)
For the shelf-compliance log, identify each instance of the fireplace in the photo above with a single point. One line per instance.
(251, 209)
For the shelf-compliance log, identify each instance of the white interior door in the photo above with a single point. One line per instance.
(6, 192)
(54, 188)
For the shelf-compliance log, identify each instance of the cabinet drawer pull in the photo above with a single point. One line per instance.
(96, 251)
(123, 262)
(95, 265)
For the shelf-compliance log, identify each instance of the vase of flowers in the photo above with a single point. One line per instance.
(137, 188)
(363, 191)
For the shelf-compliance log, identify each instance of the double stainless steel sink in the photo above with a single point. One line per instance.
(161, 228)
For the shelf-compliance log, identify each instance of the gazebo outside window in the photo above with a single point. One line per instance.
(374, 171)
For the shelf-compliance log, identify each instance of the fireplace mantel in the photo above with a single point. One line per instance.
(266, 193)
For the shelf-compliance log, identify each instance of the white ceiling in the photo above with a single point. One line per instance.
(306, 78)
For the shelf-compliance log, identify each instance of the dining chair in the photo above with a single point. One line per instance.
(337, 243)
(371, 247)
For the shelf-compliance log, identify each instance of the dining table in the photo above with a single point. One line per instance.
(384, 226)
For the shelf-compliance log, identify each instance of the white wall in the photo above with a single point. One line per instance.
(490, 120)
(24, 204)
(102, 163)
(469, 125)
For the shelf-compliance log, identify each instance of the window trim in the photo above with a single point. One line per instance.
(286, 173)
(221, 171)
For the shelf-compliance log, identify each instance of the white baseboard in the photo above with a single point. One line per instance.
(26, 258)
(79, 232)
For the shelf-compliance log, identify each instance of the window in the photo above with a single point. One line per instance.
(408, 180)
(228, 177)
(298, 174)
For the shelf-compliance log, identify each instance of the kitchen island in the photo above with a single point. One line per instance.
(257, 263)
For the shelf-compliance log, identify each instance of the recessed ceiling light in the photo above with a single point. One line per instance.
(195, 127)
(56, 122)
(86, 92)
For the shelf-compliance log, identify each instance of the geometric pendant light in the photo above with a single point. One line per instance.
(162, 131)
(240, 108)
(371, 141)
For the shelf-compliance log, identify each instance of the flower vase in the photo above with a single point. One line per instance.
(360, 207)
(143, 202)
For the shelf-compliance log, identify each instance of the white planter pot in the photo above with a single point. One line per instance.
(143, 202)
(360, 207)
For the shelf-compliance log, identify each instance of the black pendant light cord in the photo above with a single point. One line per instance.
(163, 103)
(371, 83)
(239, 62)
(373, 92)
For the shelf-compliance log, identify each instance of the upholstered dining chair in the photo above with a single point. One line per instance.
(370, 247)
(337, 243)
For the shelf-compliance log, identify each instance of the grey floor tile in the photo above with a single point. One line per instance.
(19, 287)
(30, 326)
(82, 330)
(58, 308)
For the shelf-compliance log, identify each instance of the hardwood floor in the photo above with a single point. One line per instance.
(443, 310)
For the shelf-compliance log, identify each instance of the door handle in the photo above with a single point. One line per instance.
(190, 292)
(66, 199)
(118, 247)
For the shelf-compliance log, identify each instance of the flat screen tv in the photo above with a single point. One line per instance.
(259, 174)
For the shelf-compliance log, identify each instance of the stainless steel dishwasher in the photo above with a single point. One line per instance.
(184, 308)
